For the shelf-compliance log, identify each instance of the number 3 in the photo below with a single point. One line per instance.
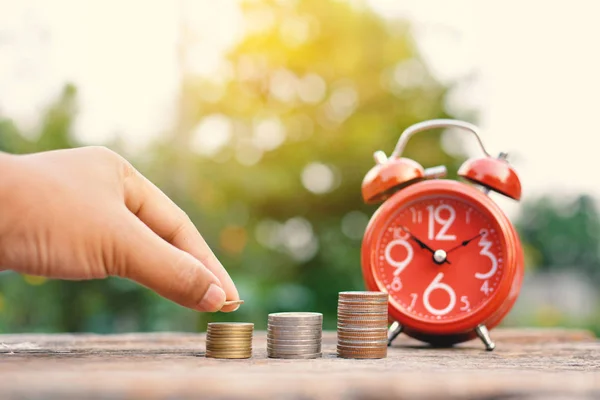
(485, 245)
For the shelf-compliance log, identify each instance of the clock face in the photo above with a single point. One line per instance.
(440, 258)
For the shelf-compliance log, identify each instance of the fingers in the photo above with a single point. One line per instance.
(169, 222)
(147, 259)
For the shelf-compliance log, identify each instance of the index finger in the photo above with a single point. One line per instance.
(168, 221)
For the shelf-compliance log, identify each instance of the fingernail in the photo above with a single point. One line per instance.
(213, 299)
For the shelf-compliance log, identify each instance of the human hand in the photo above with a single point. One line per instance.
(87, 213)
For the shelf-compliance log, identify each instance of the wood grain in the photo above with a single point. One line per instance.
(532, 364)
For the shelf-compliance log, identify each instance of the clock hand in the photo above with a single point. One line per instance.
(422, 244)
(464, 243)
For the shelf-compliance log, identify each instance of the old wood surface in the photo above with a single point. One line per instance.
(544, 364)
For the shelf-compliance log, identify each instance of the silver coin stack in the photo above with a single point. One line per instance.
(362, 325)
(294, 335)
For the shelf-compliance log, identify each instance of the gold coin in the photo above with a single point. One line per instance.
(229, 340)
(213, 335)
(231, 325)
(227, 345)
(229, 348)
(229, 356)
(229, 351)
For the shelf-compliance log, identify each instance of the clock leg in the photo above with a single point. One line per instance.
(394, 331)
(484, 335)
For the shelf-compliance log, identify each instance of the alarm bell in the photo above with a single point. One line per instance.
(494, 173)
(390, 175)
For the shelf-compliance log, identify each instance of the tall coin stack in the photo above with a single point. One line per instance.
(294, 335)
(229, 340)
(362, 324)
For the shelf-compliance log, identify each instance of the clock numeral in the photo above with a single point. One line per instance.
(414, 297)
(399, 233)
(417, 216)
(485, 288)
(399, 264)
(468, 216)
(437, 284)
(396, 285)
(466, 305)
(435, 216)
(485, 245)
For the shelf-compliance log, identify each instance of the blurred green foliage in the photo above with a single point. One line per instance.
(267, 159)
(313, 94)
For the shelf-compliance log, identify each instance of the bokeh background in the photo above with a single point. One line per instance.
(260, 118)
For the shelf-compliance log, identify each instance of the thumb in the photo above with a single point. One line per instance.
(146, 258)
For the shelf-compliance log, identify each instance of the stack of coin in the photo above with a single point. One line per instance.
(294, 335)
(229, 340)
(362, 324)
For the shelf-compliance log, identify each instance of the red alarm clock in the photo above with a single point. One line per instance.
(448, 256)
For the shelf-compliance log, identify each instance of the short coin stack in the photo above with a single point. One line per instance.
(229, 340)
(294, 335)
(362, 324)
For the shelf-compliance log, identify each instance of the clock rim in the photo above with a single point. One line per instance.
(502, 300)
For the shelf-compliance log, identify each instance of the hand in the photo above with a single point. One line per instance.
(87, 214)
(463, 243)
(422, 244)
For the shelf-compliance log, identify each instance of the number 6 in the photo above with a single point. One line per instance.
(436, 284)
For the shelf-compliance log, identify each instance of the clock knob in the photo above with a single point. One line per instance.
(493, 173)
(388, 176)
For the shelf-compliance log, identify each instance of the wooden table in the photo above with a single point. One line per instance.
(528, 364)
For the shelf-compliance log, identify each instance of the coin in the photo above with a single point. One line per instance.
(284, 342)
(238, 334)
(346, 317)
(230, 332)
(295, 322)
(236, 339)
(231, 340)
(295, 327)
(296, 315)
(373, 342)
(294, 333)
(229, 346)
(230, 325)
(246, 342)
(363, 295)
(228, 356)
(363, 312)
(371, 355)
(350, 338)
(295, 352)
(294, 356)
(233, 302)
(362, 324)
(292, 347)
(300, 332)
